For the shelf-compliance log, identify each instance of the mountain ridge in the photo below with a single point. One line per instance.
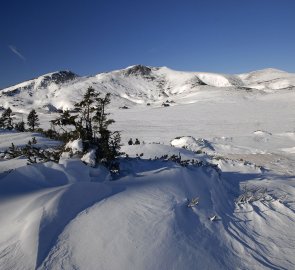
(137, 84)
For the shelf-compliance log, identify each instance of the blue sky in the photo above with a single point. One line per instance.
(88, 37)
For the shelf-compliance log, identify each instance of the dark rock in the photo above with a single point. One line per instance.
(138, 70)
(57, 78)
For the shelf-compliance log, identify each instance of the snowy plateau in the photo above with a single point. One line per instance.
(233, 207)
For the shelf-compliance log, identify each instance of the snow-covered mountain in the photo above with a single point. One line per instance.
(135, 85)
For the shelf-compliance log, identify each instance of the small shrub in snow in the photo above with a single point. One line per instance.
(33, 153)
(252, 194)
(130, 142)
(198, 152)
(139, 155)
(214, 218)
(193, 202)
(13, 152)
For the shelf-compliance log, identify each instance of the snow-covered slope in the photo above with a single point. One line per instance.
(134, 85)
(270, 78)
(71, 216)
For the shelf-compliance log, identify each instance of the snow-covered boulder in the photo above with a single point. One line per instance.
(90, 158)
(76, 146)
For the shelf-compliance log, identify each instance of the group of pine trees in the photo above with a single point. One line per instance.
(6, 121)
(89, 123)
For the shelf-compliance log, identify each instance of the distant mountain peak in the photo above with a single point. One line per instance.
(57, 77)
(269, 70)
(140, 70)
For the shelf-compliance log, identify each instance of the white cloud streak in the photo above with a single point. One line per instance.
(16, 52)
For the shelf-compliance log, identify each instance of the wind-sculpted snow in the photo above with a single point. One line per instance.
(38, 201)
(70, 216)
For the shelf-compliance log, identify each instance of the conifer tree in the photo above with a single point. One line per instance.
(6, 119)
(65, 119)
(13, 151)
(86, 108)
(33, 120)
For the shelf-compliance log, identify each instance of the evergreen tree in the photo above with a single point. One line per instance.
(13, 151)
(86, 108)
(20, 126)
(65, 119)
(33, 120)
(100, 117)
(6, 119)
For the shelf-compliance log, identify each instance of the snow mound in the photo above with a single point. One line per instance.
(152, 219)
(44, 175)
(192, 144)
(33, 221)
(262, 133)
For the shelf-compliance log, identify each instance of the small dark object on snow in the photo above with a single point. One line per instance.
(193, 202)
(214, 218)
(130, 142)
